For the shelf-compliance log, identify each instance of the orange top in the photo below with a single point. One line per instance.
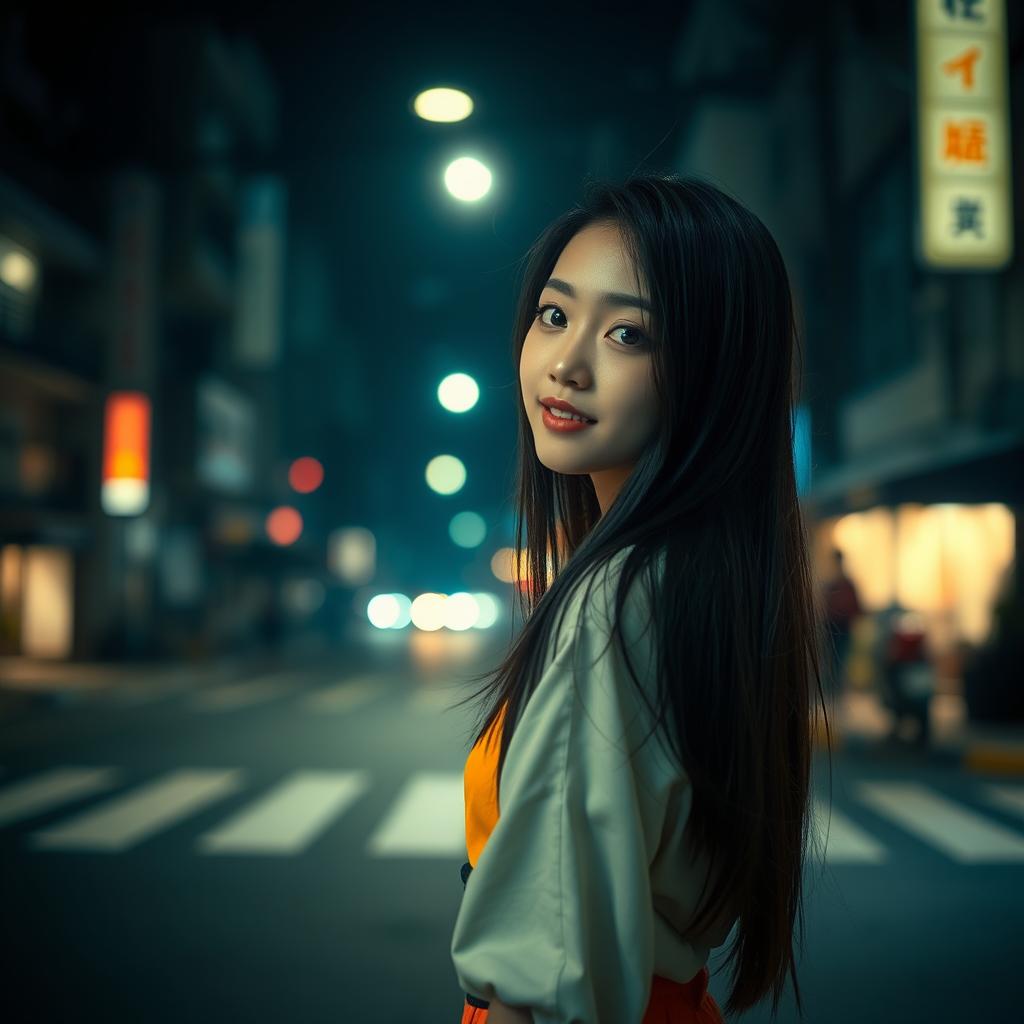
(480, 778)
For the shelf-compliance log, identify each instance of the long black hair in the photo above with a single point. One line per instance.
(739, 623)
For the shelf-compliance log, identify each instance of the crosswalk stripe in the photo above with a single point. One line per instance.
(343, 696)
(426, 819)
(963, 834)
(1010, 798)
(238, 695)
(124, 821)
(40, 793)
(290, 816)
(844, 842)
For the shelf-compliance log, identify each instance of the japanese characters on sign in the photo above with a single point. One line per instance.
(963, 135)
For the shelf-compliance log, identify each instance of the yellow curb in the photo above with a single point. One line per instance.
(994, 760)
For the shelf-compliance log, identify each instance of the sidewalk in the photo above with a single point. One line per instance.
(860, 722)
(863, 723)
(27, 683)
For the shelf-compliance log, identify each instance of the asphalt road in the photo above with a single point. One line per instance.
(285, 846)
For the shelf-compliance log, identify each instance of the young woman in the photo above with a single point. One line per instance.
(638, 787)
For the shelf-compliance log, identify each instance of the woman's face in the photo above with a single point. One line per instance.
(591, 346)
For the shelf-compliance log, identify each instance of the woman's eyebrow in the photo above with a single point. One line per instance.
(609, 298)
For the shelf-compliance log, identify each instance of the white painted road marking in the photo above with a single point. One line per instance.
(963, 834)
(426, 819)
(1010, 798)
(40, 793)
(290, 816)
(122, 822)
(844, 842)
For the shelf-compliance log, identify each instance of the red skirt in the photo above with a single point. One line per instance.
(671, 1002)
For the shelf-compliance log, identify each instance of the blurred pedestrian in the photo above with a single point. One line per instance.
(842, 609)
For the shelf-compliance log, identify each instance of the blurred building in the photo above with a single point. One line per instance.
(142, 244)
(914, 374)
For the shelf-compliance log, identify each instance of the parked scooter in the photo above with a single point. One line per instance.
(908, 677)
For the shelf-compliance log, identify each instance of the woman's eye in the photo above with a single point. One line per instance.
(540, 313)
(639, 337)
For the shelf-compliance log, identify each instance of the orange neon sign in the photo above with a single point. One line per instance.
(126, 436)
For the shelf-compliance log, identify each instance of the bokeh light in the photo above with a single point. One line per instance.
(467, 179)
(458, 392)
(445, 474)
(18, 270)
(384, 610)
(443, 104)
(352, 554)
(284, 525)
(503, 564)
(467, 529)
(305, 474)
(490, 609)
(427, 612)
(461, 611)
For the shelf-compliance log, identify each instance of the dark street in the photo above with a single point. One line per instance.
(339, 344)
(286, 846)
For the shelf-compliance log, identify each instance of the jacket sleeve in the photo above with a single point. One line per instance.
(557, 915)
